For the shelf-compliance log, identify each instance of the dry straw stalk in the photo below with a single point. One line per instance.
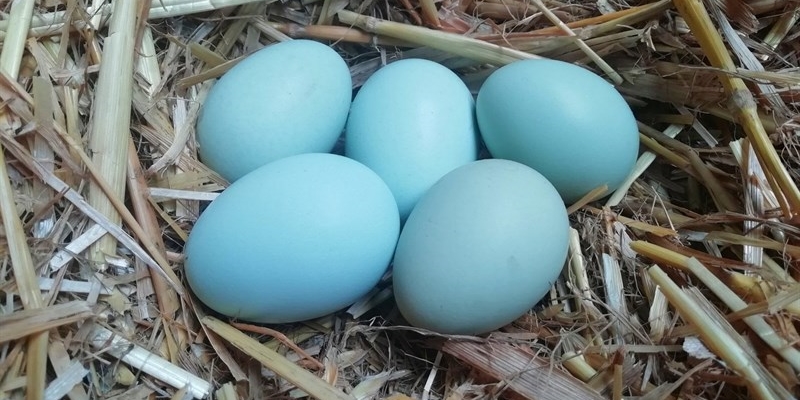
(28, 322)
(138, 357)
(741, 100)
(464, 46)
(277, 363)
(756, 322)
(52, 23)
(11, 90)
(111, 119)
(761, 384)
(22, 263)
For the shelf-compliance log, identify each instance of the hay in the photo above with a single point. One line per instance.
(682, 284)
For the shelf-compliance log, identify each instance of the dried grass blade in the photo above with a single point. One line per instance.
(209, 74)
(783, 26)
(722, 198)
(66, 381)
(147, 63)
(61, 362)
(173, 8)
(644, 161)
(19, 21)
(653, 142)
(25, 276)
(529, 376)
(634, 224)
(138, 357)
(335, 33)
(168, 302)
(615, 77)
(601, 24)
(76, 246)
(54, 21)
(470, 48)
(23, 323)
(206, 55)
(219, 347)
(283, 339)
(430, 14)
(167, 299)
(43, 115)
(734, 238)
(286, 369)
(594, 194)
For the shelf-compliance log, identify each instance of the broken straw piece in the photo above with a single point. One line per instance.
(149, 363)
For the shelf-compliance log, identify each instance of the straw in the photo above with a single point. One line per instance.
(29, 322)
(111, 120)
(580, 43)
(783, 26)
(757, 323)
(526, 374)
(168, 302)
(742, 101)
(456, 44)
(24, 272)
(700, 200)
(149, 363)
(718, 339)
(642, 163)
(303, 379)
(54, 21)
(430, 14)
(62, 364)
(159, 264)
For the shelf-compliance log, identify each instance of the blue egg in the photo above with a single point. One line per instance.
(561, 120)
(412, 122)
(285, 99)
(481, 248)
(296, 239)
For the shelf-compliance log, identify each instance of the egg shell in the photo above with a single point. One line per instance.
(285, 99)
(296, 239)
(412, 122)
(561, 120)
(481, 248)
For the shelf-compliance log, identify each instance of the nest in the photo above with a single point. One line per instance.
(681, 284)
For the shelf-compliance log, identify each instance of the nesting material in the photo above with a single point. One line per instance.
(682, 283)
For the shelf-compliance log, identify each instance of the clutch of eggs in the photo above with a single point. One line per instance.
(300, 234)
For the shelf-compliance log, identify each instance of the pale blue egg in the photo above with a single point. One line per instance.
(296, 239)
(285, 99)
(412, 122)
(561, 120)
(480, 249)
